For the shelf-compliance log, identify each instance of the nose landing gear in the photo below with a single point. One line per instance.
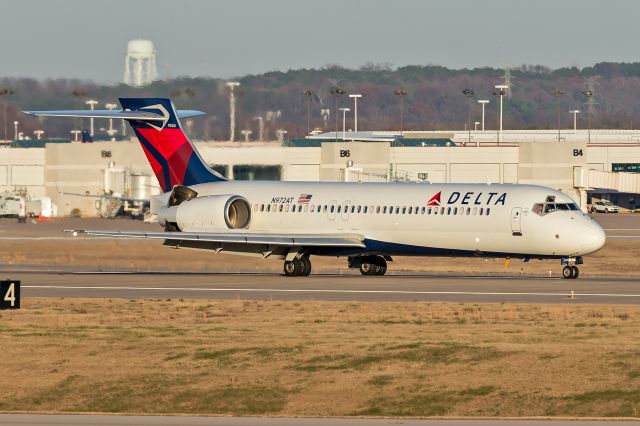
(570, 271)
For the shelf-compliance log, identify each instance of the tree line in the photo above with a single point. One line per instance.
(434, 99)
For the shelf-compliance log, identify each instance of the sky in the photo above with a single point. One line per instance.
(224, 39)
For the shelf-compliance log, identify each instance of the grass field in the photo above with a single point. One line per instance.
(320, 358)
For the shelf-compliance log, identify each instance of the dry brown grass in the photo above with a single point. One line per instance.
(616, 258)
(320, 358)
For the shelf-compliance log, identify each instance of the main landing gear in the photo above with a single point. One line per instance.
(298, 267)
(369, 265)
(570, 271)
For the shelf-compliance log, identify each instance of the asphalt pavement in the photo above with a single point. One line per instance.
(352, 287)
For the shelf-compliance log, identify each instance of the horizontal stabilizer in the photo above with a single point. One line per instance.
(107, 113)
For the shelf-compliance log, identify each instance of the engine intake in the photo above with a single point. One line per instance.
(237, 213)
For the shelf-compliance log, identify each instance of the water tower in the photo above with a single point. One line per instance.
(140, 63)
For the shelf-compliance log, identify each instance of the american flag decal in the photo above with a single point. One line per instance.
(304, 198)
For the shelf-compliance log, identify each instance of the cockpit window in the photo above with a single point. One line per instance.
(546, 208)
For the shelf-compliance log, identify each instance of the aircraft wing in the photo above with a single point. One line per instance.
(284, 240)
(106, 196)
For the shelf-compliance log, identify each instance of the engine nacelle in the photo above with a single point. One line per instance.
(212, 213)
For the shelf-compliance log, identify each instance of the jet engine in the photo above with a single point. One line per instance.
(187, 212)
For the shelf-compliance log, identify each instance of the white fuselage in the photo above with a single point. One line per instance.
(408, 218)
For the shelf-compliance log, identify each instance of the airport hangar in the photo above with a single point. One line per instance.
(600, 163)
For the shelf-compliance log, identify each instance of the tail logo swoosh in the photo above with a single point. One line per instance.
(165, 116)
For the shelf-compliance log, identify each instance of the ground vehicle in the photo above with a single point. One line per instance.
(604, 206)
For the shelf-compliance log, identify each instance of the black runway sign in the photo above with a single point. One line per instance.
(9, 294)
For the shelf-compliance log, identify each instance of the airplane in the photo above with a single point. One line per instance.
(368, 223)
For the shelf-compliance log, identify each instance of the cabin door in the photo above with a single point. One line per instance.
(516, 221)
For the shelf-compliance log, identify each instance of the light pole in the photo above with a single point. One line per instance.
(335, 92)
(15, 129)
(402, 94)
(558, 94)
(308, 94)
(355, 97)
(575, 112)
(469, 94)
(5, 92)
(260, 127)
(500, 92)
(38, 133)
(588, 94)
(344, 116)
(92, 103)
(483, 102)
(111, 107)
(75, 134)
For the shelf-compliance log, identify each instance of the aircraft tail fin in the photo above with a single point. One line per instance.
(172, 156)
(155, 121)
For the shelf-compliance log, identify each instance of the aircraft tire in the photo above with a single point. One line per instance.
(306, 266)
(293, 268)
(567, 272)
(576, 272)
(381, 265)
(367, 267)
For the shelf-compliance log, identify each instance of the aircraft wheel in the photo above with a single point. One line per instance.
(576, 272)
(567, 272)
(293, 268)
(366, 268)
(306, 266)
(381, 265)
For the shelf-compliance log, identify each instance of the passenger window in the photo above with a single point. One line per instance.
(441, 210)
(377, 209)
(261, 207)
(306, 208)
(448, 211)
(390, 209)
(455, 210)
(324, 208)
(422, 209)
(384, 210)
(397, 210)
(268, 207)
(468, 211)
(404, 210)
(286, 208)
(410, 210)
(333, 208)
(364, 210)
(360, 209)
(435, 211)
(481, 211)
(346, 209)
(475, 211)
(488, 211)
(313, 208)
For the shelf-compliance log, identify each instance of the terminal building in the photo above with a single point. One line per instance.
(601, 164)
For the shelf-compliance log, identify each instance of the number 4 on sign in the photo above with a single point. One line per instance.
(9, 294)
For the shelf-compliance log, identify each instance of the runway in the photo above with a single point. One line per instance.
(81, 420)
(409, 287)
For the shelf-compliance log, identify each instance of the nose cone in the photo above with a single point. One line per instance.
(593, 237)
